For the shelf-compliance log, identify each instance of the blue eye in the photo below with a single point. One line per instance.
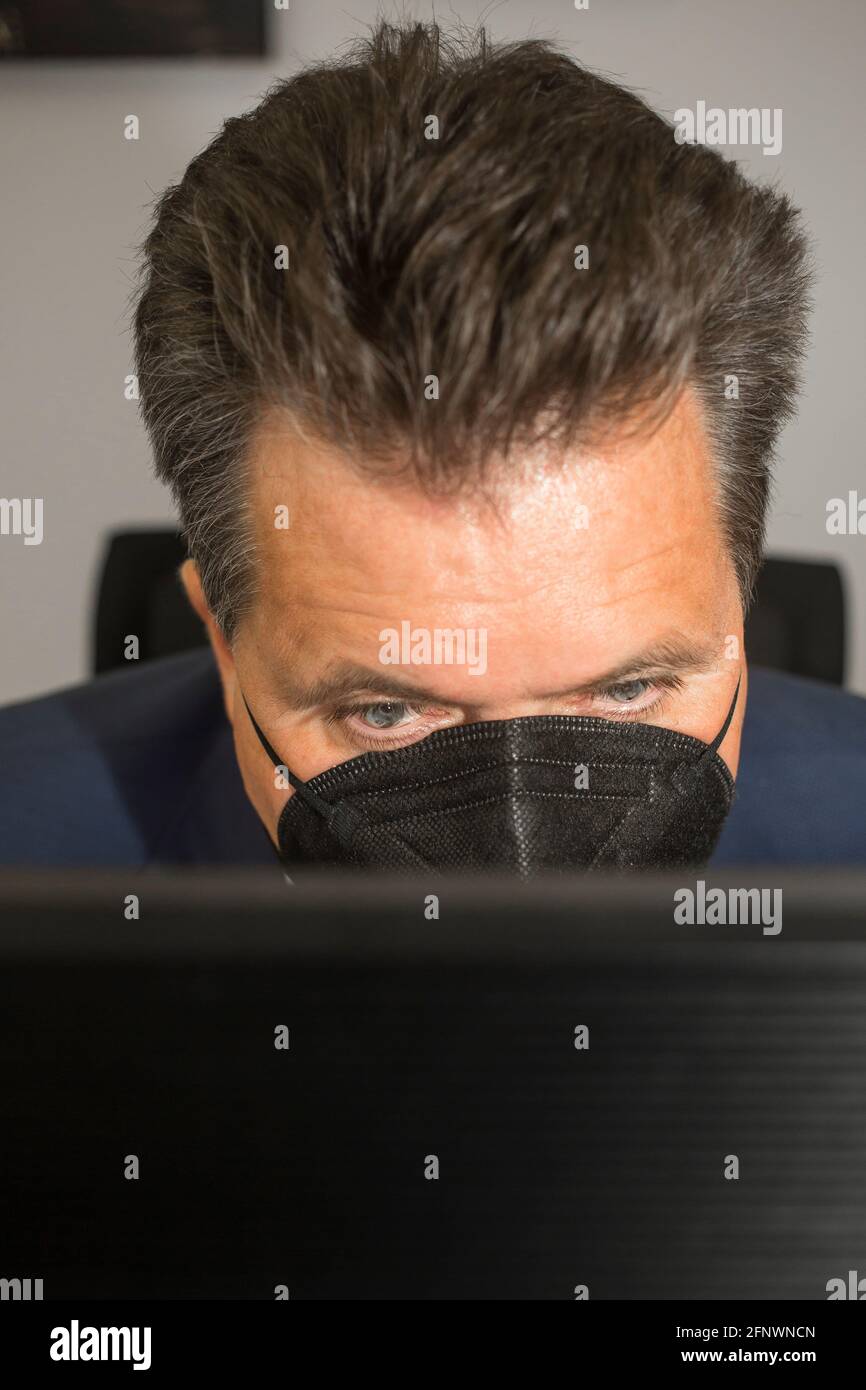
(387, 715)
(627, 691)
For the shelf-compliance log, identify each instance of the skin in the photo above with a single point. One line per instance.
(579, 619)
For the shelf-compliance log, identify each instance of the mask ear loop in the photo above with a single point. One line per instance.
(689, 771)
(342, 820)
(685, 774)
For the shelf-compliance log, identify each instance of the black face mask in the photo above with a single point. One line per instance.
(547, 792)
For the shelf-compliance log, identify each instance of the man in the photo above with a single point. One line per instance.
(466, 375)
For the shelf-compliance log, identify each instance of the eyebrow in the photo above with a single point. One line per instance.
(667, 656)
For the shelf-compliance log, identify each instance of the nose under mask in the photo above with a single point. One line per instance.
(536, 794)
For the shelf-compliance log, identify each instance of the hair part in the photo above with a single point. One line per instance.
(454, 256)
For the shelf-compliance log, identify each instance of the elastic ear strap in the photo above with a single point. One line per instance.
(323, 807)
(720, 736)
(689, 771)
(342, 820)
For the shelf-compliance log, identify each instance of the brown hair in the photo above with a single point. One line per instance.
(455, 256)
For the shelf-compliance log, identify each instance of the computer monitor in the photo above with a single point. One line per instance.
(219, 1086)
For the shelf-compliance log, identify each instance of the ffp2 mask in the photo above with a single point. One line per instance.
(536, 793)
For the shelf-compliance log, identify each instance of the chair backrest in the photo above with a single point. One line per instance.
(796, 624)
(140, 594)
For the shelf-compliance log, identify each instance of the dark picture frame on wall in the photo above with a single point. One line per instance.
(132, 28)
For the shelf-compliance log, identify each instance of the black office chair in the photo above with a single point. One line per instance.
(140, 594)
(796, 624)
(798, 620)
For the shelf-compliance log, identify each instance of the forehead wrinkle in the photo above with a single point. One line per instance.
(349, 678)
(651, 555)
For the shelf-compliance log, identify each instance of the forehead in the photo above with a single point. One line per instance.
(580, 542)
(603, 512)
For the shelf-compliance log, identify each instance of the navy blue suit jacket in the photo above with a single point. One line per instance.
(138, 768)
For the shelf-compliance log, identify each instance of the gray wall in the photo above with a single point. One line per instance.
(75, 195)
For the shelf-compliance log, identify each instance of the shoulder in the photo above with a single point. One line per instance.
(801, 784)
(784, 709)
(99, 773)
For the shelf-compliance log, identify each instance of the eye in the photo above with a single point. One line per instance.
(386, 723)
(389, 714)
(627, 691)
(637, 699)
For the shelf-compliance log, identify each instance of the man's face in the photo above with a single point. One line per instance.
(599, 584)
